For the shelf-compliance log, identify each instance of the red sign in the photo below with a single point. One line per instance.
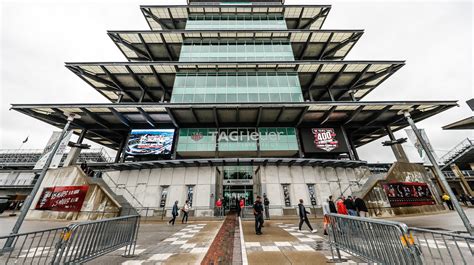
(408, 194)
(63, 199)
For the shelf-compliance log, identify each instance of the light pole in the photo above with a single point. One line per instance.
(440, 174)
(31, 196)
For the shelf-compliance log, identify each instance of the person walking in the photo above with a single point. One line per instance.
(361, 207)
(349, 203)
(448, 201)
(463, 199)
(304, 217)
(266, 204)
(185, 211)
(326, 211)
(174, 213)
(258, 213)
(219, 207)
(332, 206)
(341, 208)
(241, 207)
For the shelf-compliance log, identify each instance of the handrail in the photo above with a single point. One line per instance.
(458, 148)
(123, 188)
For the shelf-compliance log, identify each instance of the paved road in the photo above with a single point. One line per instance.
(448, 221)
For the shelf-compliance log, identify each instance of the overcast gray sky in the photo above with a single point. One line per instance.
(434, 37)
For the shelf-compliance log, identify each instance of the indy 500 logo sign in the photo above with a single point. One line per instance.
(325, 138)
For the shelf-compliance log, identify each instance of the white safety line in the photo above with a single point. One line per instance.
(242, 244)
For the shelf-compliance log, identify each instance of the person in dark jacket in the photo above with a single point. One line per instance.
(258, 213)
(266, 205)
(304, 217)
(361, 207)
(332, 206)
(349, 203)
(174, 213)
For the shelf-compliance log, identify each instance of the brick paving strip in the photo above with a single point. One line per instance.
(222, 248)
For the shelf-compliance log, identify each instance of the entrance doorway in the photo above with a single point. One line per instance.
(233, 194)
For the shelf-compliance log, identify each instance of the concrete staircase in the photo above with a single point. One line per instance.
(126, 207)
(368, 183)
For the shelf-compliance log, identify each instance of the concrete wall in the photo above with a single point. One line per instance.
(97, 203)
(143, 187)
(327, 181)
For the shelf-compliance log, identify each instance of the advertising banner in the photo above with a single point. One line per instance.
(150, 142)
(62, 199)
(49, 148)
(323, 140)
(401, 194)
(411, 135)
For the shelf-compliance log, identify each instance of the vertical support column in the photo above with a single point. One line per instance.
(353, 147)
(120, 150)
(397, 148)
(460, 175)
(298, 140)
(346, 139)
(75, 151)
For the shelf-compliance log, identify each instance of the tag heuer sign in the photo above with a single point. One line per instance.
(325, 138)
(197, 136)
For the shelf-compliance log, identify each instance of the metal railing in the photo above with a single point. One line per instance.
(460, 147)
(379, 241)
(466, 173)
(439, 247)
(76, 243)
(122, 187)
(30, 156)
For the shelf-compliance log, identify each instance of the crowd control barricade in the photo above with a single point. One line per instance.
(38, 247)
(75, 244)
(439, 247)
(378, 241)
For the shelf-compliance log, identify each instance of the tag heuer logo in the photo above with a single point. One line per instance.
(196, 136)
(325, 139)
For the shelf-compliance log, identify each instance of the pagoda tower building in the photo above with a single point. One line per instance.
(235, 99)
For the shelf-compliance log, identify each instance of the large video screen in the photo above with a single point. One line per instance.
(402, 194)
(150, 142)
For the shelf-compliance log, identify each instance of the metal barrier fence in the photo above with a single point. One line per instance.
(74, 244)
(379, 241)
(439, 247)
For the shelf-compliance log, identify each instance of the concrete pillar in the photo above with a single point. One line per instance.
(75, 151)
(120, 150)
(397, 149)
(460, 175)
(346, 139)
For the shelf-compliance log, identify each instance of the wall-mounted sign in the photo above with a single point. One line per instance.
(402, 194)
(164, 195)
(323, 140)
(49, 148)
(312, 194)
(230, 182)
(150, 142)
(286, 194)
(62, 199)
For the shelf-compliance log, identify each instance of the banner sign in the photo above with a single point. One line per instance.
(49, 148)
(62, 199)
(229, 182)
(323, 140)
(402, 194)
(411, 135)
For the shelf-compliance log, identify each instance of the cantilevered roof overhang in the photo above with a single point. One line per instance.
(261, 161)
(108, 124)
(166, 45)
(153, 81)
(175, 16)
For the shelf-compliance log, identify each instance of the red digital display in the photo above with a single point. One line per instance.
(402, 194)
(62, 199)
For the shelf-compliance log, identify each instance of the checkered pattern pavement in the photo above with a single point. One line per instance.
(173, 245)
(307, 241)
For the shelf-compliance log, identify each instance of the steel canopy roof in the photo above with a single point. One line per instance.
(153, 81)
(166, 45)
(108, 124)
(175, 16)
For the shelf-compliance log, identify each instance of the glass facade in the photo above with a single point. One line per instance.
(238, 172)
(233, 140)
(236, 87)
(236, 51)
(236, 22)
